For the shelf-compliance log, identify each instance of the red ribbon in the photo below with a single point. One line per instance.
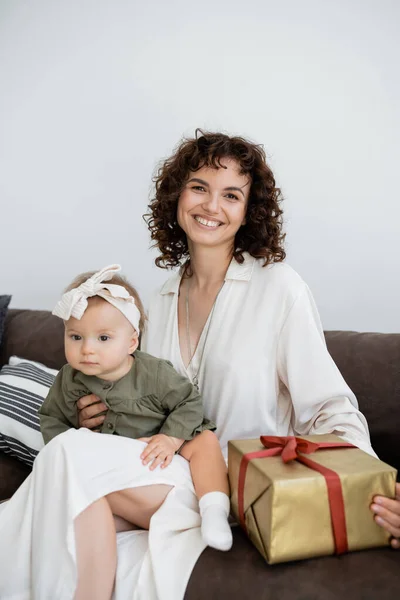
(289, 448)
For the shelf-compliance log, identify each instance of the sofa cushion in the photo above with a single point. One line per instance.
(23, 387)
(4, 302)
(370, 363)
(34, 334)
(242, 573)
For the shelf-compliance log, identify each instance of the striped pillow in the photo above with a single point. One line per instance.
(24, 385)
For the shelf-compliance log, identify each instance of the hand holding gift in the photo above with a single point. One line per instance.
(387, 515)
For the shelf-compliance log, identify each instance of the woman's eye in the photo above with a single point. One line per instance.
(75, 337)
(104, 338)
(232, 197)
(198, 188)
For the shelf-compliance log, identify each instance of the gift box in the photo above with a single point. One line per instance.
(298, 498)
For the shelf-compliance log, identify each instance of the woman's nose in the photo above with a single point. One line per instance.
(211, 203)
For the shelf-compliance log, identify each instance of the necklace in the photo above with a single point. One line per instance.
(195, 378)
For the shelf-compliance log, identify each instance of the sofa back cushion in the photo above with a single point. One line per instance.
(33, 334)
(4, 302)
(370, 363)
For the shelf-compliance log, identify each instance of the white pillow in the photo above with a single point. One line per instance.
(24, 384)
(16, 360)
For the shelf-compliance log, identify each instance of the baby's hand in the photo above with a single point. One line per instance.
(160, 450)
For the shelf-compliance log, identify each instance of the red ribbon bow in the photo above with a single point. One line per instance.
(292, 448)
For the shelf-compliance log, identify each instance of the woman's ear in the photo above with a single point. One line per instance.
(134, 342)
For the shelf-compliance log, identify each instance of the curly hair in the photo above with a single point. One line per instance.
(261, 235)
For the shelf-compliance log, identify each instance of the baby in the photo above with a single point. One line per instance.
(146, 398)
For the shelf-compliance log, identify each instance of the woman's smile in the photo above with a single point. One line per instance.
(206, 222)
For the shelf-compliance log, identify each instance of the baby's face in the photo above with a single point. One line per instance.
(101, 342)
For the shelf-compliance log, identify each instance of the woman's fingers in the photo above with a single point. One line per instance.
(387, 515)
(395, 502)
(85, 415)
(392, 529)
(92, 423)
(89, 408)
(87, 400)
(385, 507)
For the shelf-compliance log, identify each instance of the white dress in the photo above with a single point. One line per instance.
(265, 367)
(37, 542)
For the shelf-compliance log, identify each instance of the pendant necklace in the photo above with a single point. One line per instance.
(195, 378)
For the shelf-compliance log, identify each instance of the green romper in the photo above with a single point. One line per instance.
(152, 398)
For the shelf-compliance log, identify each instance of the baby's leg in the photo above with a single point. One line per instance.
(96, 552)
(210, 479)
(138, 505)
(207, 464)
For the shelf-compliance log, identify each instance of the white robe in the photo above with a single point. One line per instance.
(37, 542)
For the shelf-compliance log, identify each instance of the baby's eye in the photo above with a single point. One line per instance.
(104, 338)
(75, 337)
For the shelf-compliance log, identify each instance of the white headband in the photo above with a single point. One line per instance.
(74, 303)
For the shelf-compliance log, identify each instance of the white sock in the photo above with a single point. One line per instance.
(215, 529)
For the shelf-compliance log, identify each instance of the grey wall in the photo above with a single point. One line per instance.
(94, 94)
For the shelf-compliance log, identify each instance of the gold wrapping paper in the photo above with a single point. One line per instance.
(286, 505)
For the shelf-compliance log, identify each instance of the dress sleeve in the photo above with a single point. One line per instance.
(322, 401)
(58, 412)
(182, 403)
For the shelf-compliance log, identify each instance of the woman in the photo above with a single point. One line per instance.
(235, 319)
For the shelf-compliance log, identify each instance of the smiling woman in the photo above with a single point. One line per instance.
(235, 319)
(209, 174)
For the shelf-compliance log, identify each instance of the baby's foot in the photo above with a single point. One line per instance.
(215, 529)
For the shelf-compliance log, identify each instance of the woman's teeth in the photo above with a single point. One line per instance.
(207, 223)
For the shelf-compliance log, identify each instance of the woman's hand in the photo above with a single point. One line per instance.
(387, 515)
(91, 412)
(160, 450)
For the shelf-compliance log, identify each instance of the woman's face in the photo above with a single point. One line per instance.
(212, 206)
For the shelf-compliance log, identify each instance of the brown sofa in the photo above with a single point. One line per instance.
(370, 362)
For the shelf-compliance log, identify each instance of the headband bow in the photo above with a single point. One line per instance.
(75, 302)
